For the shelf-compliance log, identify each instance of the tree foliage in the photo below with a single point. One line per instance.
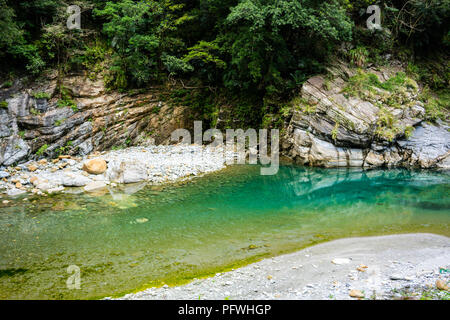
(264, 48)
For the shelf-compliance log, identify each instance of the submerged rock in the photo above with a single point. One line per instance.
(15, 192)
(141, 220)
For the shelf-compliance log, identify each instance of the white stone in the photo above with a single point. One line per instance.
(340, 261)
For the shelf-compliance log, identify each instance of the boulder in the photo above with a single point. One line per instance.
(356, 294)
(127, 172)
(429, 145)
(95, 166)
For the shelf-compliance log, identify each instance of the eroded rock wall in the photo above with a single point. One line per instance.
(330, 128)
(99, 121)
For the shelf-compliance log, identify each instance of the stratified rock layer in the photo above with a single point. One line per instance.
(99, 121)
(329, 128)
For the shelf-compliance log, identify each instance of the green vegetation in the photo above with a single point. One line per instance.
(59, 122)
(437, 105)
(41, 95)
(388, 127)
(335, 131)
(66, 99)
(67, 103)
(303, 105)
(65, 149)
(359, 55)
(434, 294)
(34, 112)
(363, 82)
(396, 92)
(3, 104)
(253, 52)
(7, 84)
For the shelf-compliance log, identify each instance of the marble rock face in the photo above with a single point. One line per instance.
(96, 120)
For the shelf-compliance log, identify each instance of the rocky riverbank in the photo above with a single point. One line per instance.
(153, 164)
(409, 266)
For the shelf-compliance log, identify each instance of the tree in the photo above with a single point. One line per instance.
(143, 35)
(268, 40)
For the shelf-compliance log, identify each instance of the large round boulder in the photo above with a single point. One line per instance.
(95, 166)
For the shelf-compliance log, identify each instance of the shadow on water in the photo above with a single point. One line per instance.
(432, 205)
(11, 272)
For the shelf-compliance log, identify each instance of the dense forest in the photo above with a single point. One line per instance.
(257, 52)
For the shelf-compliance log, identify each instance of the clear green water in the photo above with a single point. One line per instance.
(204, 226)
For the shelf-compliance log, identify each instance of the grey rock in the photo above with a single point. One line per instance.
(15, 192)
(74, 180)
(41, 105)
(127, 171)
(86, 147)
(4, 174)
(18, 105)
(429, 143)
(6, 124)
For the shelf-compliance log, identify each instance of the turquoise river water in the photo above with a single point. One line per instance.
(141, 236)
